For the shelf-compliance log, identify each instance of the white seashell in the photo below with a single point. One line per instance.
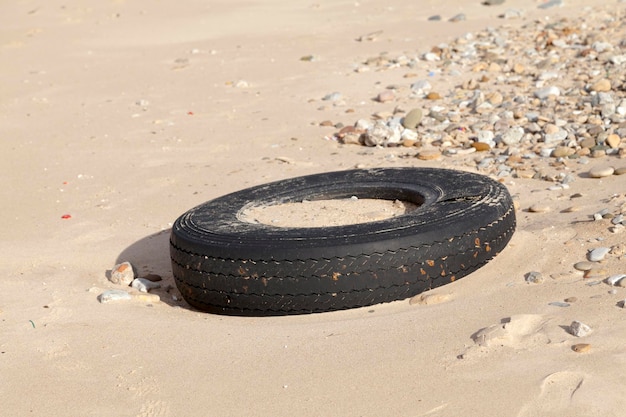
(144, 285)
(615, 279)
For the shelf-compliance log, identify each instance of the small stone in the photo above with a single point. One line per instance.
(122, 274)
(581, 347)
(558, 304)
(512, 136)
(428, 155)
(620, 171)
(144, 285)
(481, 146)
(598, 254)
(457, 18)
(601, 171)
(146, 297)
(336, 96)
(412, 119)
(579, 329)
(385, 96)
(614, 280)
(550, 3)
(544, 93)
(433, 96)
(613, 140)
(492, 2)
(583, 266)
(602, 85)
(571, 299)
(113, 295)
(538, 208)
(562, 151)
(618, 228)
(534, 277)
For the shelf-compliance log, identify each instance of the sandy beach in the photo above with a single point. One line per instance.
(116, 117)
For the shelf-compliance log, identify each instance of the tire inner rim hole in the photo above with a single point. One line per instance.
(327, 212)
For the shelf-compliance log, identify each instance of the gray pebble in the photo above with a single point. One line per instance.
(559, 304)
(544, 93)
(534, 277)
(579, 329)
(598, 254)
(550, 3)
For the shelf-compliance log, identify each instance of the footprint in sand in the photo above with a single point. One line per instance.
(521, 331)
(557, 395)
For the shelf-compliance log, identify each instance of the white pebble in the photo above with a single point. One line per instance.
(615, 279)
(144, 285)
(113, 295)
(579, 329)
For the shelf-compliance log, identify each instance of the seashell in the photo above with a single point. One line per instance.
(144, 285)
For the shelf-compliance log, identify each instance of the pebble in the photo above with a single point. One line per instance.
(548, 103)
(583, 266)
(146, 297)
(602, 85)
(412, 119)
(122, 274)
(538, 208)
(614, 280)
(534, 277)
(385, 96)
(544, 93)
(144, 285)
(429, 155)
(601, 171)
(579, 329)
(114, 295)
(559, 304)
(581, 347)
(571, 299)
(550, 3)
(598, 254)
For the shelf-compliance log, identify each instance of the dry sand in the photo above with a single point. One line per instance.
(123, 115)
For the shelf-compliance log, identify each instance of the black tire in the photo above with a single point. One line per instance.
(222, 264)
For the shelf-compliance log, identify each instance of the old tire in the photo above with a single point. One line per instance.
(224, 265)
